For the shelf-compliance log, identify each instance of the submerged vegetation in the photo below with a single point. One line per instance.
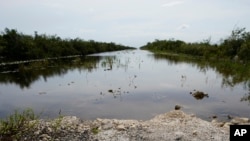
(18, 46)
(234, 47)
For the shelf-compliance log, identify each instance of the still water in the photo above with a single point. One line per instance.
(125, 84)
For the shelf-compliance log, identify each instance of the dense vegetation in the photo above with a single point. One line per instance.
(18, 46)
(236, 46)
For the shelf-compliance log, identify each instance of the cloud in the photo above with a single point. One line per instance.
(183, 26)
(173, 3)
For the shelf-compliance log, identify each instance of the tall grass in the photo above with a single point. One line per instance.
(16, 124)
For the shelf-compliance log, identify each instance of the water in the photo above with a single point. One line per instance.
(132, 84)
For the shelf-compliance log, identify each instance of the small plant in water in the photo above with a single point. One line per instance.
(16, 124)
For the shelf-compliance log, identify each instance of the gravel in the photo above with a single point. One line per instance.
(172, 126)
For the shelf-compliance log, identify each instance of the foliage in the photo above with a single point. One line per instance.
(244, 50)
(18, 46)
(172, 46)
(236, 46)
(16, 124)
(236, 43)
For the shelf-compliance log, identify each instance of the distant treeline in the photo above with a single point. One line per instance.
(236, 46)
(18, 46)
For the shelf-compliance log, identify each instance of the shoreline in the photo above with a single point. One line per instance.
(173, 125)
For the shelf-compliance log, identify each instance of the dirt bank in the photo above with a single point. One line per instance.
(174, 125)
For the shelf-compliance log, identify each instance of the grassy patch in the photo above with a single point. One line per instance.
(16, 124)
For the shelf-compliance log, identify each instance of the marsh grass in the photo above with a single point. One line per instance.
(17, 124)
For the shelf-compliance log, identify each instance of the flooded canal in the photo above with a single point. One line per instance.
(132, 84)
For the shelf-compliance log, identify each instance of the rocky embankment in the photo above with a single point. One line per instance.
(174, 125)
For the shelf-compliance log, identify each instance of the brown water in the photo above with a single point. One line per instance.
(125, 84)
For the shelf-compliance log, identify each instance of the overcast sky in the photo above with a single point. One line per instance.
(127, 22)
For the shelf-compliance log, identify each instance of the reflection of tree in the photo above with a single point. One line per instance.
(232, 73)
(108, 62)
(246, 97)
(26, 73)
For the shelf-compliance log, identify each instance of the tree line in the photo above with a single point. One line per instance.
(15, 45)
(236, 46)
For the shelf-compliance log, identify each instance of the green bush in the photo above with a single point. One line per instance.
(18, 46)
(237, 45)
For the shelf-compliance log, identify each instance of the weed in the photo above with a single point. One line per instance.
(95, 130)
(57, 123)
(16, 124)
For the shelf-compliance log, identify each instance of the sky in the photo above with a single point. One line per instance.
(127, 22)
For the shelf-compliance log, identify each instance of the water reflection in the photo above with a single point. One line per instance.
(24, 74)
(125, 84)
(233, 73)
(233, 77)
(246, 97)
